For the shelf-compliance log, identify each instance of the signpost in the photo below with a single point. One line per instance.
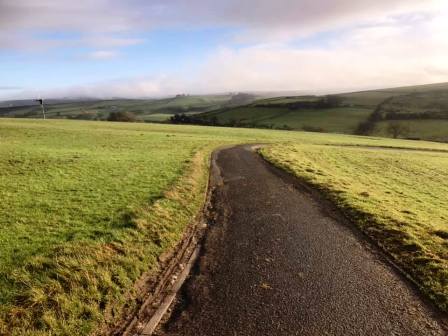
(41, 102)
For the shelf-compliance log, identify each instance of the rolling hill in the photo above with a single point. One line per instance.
(151, 110)
(416, 112)
(420, 111)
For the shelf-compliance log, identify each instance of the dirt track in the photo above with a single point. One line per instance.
(275, 263)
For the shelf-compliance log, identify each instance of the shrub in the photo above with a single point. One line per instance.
(396, 129)
(122, 116)
(365, 127)
(307, 128)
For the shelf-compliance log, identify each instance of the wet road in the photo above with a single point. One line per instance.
(274, 263)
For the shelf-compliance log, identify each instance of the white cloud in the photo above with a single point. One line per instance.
(102, 55)
(108, 41)
(104, 21)
(381, 56)
(367, 57)
(380, 43)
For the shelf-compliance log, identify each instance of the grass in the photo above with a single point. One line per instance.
(396, 196)
(73, 218)
(420, 106)
(145, 109)
(435, 130)
(86, 208)
(434, 103)
(372, 98)
(337, 120)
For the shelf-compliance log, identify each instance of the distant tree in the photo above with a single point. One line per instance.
(333, 100)
(122, 116)
(232, 123)
(365, 127)
(214, 121)
(182, 118)
(396, 129)
(329, 101)
(286, 127)
(179, 119)
(308, 128)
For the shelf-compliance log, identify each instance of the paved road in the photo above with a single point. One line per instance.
(275, 263)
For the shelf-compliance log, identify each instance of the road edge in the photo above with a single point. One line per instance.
(176, 270)
(333, 211)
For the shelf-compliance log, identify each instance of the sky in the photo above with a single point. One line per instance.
(155, 48)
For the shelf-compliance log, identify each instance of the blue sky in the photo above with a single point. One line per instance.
(159, 50)
(137, 48)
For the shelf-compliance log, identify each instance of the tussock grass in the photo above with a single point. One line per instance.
(396, 196)
(85, 284)
(66, 271)
(86, 209)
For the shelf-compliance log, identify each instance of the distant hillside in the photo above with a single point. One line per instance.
(419, 112)
(143, 109)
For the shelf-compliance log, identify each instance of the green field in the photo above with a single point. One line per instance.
(334, 120)
(372, 98)
(87, 207)
(396, 196)
(433, 130)
(420, 107)
(144, 109)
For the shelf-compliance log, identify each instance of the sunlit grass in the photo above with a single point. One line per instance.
(87, 207)
(398, 197)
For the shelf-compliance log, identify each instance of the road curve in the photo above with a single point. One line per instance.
(275, 262)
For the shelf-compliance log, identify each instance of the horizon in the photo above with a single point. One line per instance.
(140, 49)
(261, 94)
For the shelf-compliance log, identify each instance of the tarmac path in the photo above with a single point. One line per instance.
(276, 262)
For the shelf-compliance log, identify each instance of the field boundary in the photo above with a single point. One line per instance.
(175, 268)
(412, 149)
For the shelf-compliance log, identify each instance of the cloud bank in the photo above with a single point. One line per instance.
(365, 43)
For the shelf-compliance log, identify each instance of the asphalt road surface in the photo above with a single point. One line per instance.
(275, 262)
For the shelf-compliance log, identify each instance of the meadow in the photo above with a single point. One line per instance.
(395, 196)
(96, 109)
(421, 109)
(334, 120)
(86, 208)
(430, 129)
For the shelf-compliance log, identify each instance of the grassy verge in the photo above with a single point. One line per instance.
(66, 266)
(86, 208)
(396, 196)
